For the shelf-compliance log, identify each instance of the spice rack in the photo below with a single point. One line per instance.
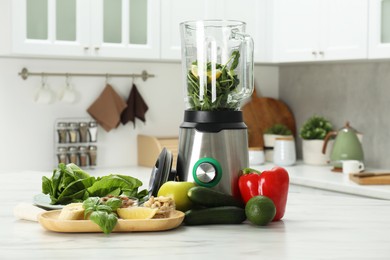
(76, 141)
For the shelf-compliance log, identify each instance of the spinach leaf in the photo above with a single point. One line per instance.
(114, 184)
(67, 184)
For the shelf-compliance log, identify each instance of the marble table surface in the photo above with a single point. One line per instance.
(315, 226)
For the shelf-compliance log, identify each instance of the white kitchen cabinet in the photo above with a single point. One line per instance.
(379, 29)
(86, 28)
(320, 30)
(253, 12)
(257, 16)
(173, 12)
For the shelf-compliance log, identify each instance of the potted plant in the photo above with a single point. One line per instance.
(313, 133)
(269, 137)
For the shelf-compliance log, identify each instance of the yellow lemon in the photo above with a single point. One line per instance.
(136, 213)
(194, 70)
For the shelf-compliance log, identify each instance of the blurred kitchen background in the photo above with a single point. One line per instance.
(342, 74)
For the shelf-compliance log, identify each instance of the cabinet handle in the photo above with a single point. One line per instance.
(86, 48)
(314, 53)
(321, 53)
(97, 48)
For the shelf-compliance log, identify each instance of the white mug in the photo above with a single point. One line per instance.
(68, 94)
(352, 166)
(44, 95)
(284, 151)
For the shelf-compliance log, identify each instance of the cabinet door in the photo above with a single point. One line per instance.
(125, 28)
(257, 16)
(50, 27)
(379, 29)
(297, 28)
(173, 12)
(344, 29)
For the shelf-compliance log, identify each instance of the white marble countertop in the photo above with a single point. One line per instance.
(315, 226)
(322, 177)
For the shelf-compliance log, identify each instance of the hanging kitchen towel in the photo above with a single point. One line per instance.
(136, 107)
(107, 108)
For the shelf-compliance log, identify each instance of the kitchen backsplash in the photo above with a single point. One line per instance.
(27, 132)
(357, 92)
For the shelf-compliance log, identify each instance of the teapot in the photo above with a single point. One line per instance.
(346, 146)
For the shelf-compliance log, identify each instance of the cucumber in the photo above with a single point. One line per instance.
(217, 215)
(211, 198)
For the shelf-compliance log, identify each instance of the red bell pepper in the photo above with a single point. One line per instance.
(272, 184)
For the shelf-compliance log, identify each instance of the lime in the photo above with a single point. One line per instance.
(136, 213)
(260, 210)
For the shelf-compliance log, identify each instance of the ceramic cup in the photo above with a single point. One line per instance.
(352, 166)
(68, 94)
(284, 151)
(256, 156)
(44, 95)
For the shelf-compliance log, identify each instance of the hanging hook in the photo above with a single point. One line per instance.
(133, 79)
(107, 77)
(67, 79)
(43, 79)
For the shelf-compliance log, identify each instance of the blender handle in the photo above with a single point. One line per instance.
(248, 84)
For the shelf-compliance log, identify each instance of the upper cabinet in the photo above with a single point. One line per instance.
(252, 12)
(173, 12)
(379, 29)
(87, 28)
(320, 30)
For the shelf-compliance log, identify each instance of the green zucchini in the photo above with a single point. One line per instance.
(211, 198)
(217, 215)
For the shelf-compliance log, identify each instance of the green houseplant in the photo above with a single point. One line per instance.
(313, 133)
(269, 137)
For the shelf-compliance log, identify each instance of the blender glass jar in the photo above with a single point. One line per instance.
(217, 64)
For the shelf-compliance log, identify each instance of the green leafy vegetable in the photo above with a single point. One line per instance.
(70, 184)
(226, 84)
(116, 185)
(103, 214)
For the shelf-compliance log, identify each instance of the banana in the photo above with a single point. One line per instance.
(73, 211)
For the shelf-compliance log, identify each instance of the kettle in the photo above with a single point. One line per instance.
(346, 146)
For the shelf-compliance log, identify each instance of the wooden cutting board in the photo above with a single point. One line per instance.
(263, 112)
(371, 178)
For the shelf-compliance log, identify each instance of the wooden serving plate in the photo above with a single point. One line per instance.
(49, 220)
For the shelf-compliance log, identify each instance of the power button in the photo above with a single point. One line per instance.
(207, 172)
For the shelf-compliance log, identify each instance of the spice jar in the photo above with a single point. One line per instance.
(73, 131)
(83, 156)
(92, 155)
(83, 132)
(92, 131)
(72, 153)
(62, 132)
(61, 155)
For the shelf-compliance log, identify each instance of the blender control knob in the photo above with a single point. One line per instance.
(206, 172)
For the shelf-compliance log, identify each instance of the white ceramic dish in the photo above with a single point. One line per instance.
(43, 201)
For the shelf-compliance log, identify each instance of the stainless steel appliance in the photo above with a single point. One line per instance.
(217, 61)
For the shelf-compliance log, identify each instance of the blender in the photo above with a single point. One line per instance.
(217, 62)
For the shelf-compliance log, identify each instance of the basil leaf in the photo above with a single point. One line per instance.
(105, 208)
(106, 221)
(114, 203)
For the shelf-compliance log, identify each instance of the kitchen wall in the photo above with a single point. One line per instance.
(358, 92)
(27, 129)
